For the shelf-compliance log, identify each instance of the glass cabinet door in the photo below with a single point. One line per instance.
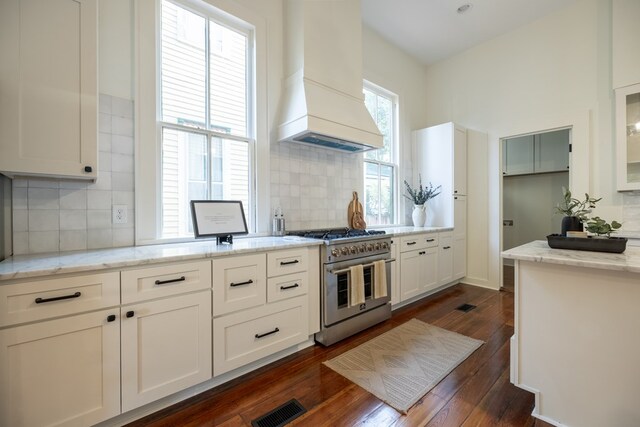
(628, 137)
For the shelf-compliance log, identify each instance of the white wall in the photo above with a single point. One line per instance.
(553, 72)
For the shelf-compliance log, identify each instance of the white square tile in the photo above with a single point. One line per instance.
(123, 198)
(98, 219)
(98, 199)
(20, 243)
(44, 220)
(122, 181)
(73, 220)
(99, 239)
(73, 185)
(43, 198)
(43, 183)
(19, 182)
(44, 241)
(122, 144)
(19, 198)
(121, 126)
(122, 163)
(73, 199)
(105, 141)
(20, 220)
(122, 237)
(104, 105)
(121, 107)
(104, 123)
(104, 161)
(102, 183)
(75, 240)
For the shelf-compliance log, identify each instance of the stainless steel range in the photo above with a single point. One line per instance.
(343, 249)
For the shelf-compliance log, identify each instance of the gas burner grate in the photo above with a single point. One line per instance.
(336, 233)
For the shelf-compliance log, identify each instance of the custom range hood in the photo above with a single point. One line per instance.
(323, 103)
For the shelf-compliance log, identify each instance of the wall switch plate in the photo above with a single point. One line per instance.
(119, 214)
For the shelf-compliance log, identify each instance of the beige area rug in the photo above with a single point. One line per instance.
(403, 364)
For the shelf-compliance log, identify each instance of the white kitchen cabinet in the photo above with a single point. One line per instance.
(445, 258)
(166, 347)
(48, 81)
(441, 159)
(628, 137)
(61, 372)
(239, 282)
(518, 155)
(418, 268)
(625, 56)
(460, 237)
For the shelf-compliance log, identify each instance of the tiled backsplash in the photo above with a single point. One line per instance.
(631, 212)
(313, 186)
(52, 215)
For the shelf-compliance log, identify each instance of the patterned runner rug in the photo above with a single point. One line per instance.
(403, 364)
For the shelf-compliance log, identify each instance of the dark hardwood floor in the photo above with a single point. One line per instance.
(476, 393)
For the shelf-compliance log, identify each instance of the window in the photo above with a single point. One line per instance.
(204, 119)
(380, 166)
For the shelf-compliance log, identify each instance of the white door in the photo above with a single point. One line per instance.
(445, 259)
(459, 257)
(61, 372)
(410, 275)
(429, 269)
(166, 347)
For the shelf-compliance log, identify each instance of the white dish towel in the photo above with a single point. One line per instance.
(356, 290)
(380, 278)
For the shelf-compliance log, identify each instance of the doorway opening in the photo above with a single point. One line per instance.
(535, 167)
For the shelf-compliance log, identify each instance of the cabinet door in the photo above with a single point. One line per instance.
(61, 372)
(410, 274)
(445, 259)
(628, 137)
(429, 269)
(166, 347)
(460, 215)
(48, 81)
(239, 283)
(460, 161)
(552, 151)
(459, 257)
(517, 155)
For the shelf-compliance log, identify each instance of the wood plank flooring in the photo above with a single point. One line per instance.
(476, 393)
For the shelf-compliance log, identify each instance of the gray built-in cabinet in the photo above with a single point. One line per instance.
(540, 153)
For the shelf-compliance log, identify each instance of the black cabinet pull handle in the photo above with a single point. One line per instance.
(130, 314)
(421, 253)
(267, 333)
(284, 288)
(411, 243)
(88, 169)
(455, 191)
(455, 198)
(43, 300)
(248, 282)
(446, 247)
(164, 282)
(430, 240)
(111, 318)
(295, 261)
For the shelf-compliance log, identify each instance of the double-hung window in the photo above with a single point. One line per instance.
(380, 166)
(205, 120)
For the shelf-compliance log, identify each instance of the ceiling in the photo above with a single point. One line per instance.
(431, 30)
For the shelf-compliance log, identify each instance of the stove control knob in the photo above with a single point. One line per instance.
(369, 247)
(335, 252)
(385, 245)
(345, 251)
(363, 248)
(353, 250)
(377, 246)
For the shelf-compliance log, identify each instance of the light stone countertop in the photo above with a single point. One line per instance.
(539, 251)
(38, 265)
(24, 266)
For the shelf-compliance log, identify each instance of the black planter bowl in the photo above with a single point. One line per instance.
(615, 245)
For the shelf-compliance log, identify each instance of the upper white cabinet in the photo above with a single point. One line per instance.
(545, 152)
(625, 35)
(628, 137)
(48, 87)
(441, 158)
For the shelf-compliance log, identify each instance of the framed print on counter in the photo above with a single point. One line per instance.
(218, 218)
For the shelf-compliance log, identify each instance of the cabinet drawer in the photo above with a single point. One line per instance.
(289, 286)
(413, 242)
(244, 337)
(239, 283)
(285, 262)
(43, 299)
(155, 282)
(430, 240)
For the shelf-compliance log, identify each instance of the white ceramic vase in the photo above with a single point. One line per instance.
(419, 215)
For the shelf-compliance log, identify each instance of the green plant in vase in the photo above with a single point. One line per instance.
(575, 211)
(600, 227)
(419, 196)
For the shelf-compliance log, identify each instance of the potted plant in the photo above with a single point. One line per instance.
(575, 211)
(601, 228)
(419, 196)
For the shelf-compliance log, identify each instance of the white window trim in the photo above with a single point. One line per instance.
(395, 152)
(148, 173)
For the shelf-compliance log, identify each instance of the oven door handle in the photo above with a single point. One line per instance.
(345, 270)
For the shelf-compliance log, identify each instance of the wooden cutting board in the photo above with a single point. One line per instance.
(355, 214)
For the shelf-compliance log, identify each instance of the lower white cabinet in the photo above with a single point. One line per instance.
(246, 336)
(445, 258)
(418, 272)
(166, 347)
(239, 282)
(459, 257)
(61, 372)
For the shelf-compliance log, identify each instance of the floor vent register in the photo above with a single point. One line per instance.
(466, 307)
(280, 416)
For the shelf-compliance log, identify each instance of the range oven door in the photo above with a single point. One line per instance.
(336, 282)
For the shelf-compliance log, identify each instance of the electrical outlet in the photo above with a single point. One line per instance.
(119, 214)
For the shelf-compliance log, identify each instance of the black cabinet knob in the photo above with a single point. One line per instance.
(88, 169)
(130, 314)
(111, 318)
